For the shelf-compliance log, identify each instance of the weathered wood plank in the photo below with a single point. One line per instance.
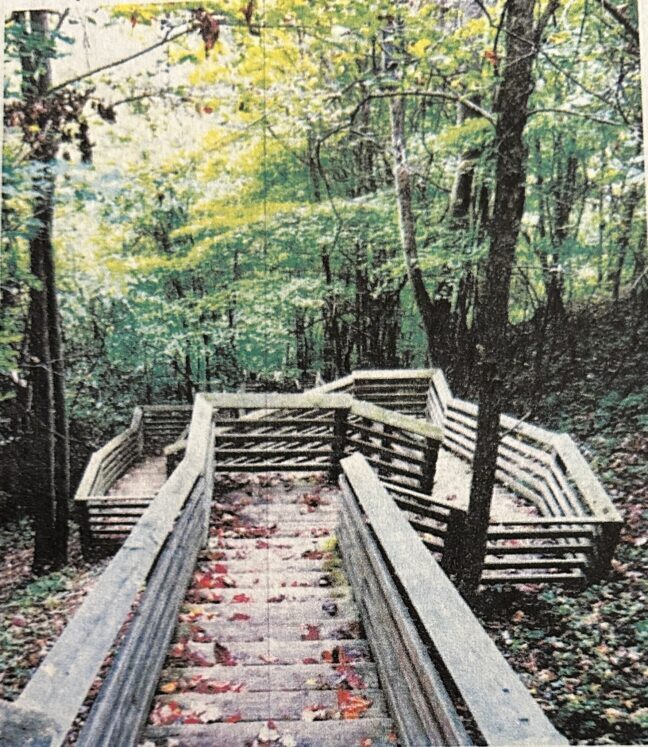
(123, 700)
(392, 374)
(388, 417)
(503, 710)
(253, 401)
(421, 705)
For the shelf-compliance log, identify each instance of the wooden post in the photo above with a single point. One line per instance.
(339, 443)
(453, 542)
(606, 542)
(84, 529)
(386, 442)
(430, 456)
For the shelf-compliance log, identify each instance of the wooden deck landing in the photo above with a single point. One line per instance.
(269, 647)
(144, 478)
(452, 483)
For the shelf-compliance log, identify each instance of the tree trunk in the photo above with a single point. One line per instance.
(510, 176)
(407, 223)
(50, 445)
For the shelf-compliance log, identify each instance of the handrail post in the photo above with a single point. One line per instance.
(340, 423)
(430, 456)
(385, 443)
(606, 541)
(84, 529)
(453, 543)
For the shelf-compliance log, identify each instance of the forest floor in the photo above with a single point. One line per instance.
(34, 610)
(580, 653)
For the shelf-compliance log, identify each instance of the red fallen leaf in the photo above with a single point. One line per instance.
(178, 650)
(262, 545)
(320, 532)
(234, 718)
(350, 677)
(208, 109)
(267, 659)
(223, 656)
(192, 718)
(216, 555)
(210, 595)
(313, 554)
(167, 713)
(238, 617)
(278, 598)
(352, 706)
(199, 635)
(212, 686)
(18, 621)
(220, 568)
(309, 660)
(197, 658)
(240, 599)
(312, 633)
(338, 655)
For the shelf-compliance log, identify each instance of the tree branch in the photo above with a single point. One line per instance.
(426, 94)
(583, 115)
(618, 16)
(168, 37)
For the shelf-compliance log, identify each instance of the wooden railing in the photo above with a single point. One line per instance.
(137, 597)
(113, 459)
(574, 535)
(140, 591)
(435, 659)
(107, 520)
(312, 431)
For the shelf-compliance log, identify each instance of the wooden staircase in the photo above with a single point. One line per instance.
(269, 647)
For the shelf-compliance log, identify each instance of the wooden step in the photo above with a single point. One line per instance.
(269, 648)
(270, 579)
(262, 630)
(286, 705)
(310, 611)
(374, 732)
(356, 676)
(258, 653)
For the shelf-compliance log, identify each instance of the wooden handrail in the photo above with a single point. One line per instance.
(91, 473)
(61, 683)
(501, 707)
(395, 419)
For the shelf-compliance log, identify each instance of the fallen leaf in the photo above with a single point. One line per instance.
(312, 633)
(352, 706)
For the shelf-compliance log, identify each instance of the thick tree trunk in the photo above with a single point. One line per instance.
(516, 86)
(50, 447)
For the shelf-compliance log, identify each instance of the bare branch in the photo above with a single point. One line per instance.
(618, 16)
(168, 37)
